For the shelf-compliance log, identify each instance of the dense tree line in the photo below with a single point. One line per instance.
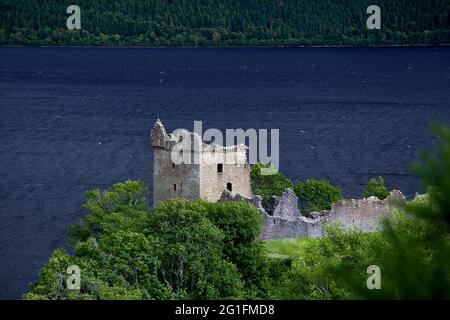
(224, 22)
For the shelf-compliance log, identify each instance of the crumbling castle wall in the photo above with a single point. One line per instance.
(255, 201)
(287, 221)
(361, 214)
(286, 206)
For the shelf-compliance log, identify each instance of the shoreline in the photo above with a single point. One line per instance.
(229, 47)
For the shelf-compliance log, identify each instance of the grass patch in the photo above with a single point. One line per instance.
(285, 248)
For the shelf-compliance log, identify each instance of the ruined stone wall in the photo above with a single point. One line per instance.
(173, 181)
(234, 171)
(287, 221)
(359, 214)
(362, 214)
(277, 227)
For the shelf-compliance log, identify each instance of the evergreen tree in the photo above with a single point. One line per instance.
(224, 22)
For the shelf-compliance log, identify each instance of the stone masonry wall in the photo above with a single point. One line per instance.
(213, 183)
(360, 214)
(287, 221)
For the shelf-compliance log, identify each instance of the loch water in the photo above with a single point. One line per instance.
(73, 119)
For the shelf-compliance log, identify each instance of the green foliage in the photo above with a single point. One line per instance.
(310, 276)
(277, 268)
(412, 250)
(241, 224)
(192, 261)
(316, 195)
(286, 248)
(223, 22)
(434, 171)
(122, 205)
(180, 250)
(415, 247)
(52, 278)
(268, 185)
(413, 256)
(375, 187)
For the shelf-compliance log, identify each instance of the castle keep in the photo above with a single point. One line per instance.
(204, 171)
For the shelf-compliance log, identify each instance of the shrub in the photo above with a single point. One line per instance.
(310, 276)
(375, 187)
(241, 225)
(316, 195)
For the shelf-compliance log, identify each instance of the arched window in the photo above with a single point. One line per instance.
(229, 186)
(175, 187)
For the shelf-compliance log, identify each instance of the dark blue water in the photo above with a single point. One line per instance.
(72, 119)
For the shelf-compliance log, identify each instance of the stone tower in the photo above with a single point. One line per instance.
(212, 168)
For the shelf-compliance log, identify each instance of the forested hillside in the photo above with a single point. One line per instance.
(224, 22)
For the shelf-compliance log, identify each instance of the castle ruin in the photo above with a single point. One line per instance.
(215, 173)
(204, 172)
